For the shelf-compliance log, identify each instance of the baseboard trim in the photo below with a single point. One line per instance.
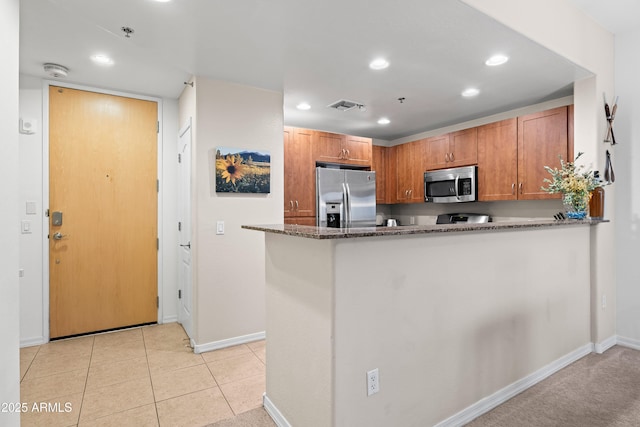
(216, 345)
(601, 347)
(170, 319)
(488, 403)
(274, 413)
(30, 342)
(628, 342)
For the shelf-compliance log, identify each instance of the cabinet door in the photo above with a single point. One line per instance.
(418, 160)
(378, 164)
(463, 148)
(391, 175)
(404, 179)
(302, 220)
(328, 147)
(299, 173)
(542, 138)
(498, 160)
(358, 150)
(437, 152)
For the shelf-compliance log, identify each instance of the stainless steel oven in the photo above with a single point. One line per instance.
(451, 185)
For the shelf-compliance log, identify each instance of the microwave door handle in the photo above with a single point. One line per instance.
(456, 185)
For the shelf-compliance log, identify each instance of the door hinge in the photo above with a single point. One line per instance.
(179, 226)
(179, 158)
(179, 293)
(158, 126)
(157, 185)
(157, 243)
(157, 302)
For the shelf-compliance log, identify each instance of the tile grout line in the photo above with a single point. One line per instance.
(86, 380)
(221, 392)
(153, 392)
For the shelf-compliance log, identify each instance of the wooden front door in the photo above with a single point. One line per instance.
(102, 179)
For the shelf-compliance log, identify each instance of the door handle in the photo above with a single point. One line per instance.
(58, 236)
(188, 245)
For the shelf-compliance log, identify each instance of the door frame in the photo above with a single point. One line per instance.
(45, 191)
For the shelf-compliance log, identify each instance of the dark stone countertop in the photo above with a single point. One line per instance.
(311, 232)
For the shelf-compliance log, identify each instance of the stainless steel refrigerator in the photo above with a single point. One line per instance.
(345, 198)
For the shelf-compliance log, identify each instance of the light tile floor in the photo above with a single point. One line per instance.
(146, 376)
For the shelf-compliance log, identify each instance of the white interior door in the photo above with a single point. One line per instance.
(185, 291)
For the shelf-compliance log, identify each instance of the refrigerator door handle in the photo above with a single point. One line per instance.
(348, 192)
(345, 204)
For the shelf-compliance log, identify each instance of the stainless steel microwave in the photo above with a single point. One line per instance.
(451, 185)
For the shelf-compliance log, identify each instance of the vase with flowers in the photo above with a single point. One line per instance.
(575, 184)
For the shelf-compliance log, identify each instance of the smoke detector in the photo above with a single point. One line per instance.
(55, 70)
(345, 105)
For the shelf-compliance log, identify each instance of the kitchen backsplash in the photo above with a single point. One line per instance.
(426, 213)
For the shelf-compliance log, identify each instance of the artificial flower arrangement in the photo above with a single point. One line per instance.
(575, 184)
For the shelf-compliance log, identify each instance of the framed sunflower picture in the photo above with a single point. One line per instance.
(242, 171)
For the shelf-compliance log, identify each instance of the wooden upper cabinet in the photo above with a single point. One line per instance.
(299, 173)
(463, 146)
(347, 149)
(358, 150)
(498, 160)
(328, 147)
(379, 165)
(437, 152)
(452, 150)
(542, 138)
(408, 167)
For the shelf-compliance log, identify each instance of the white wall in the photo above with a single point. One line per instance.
(229, 269)
(9, 261)
(627, 129)
(33, 255)
(563, 28)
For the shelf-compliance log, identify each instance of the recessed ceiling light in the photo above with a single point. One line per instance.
(384, 121)
(379, 64)
(163, 1)
(102, 59)
(303, 106)
(496, 60)
(468, 93)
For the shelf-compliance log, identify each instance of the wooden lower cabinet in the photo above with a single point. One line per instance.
(302, 220)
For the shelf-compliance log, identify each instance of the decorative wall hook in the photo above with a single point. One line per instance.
(610, 114)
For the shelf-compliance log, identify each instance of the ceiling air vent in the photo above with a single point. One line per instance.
(344, 105)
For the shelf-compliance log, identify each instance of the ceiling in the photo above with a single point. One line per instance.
(617, 16)
(314, 51)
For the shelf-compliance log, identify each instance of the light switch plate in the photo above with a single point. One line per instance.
(220, 227)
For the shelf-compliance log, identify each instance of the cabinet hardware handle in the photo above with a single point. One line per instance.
(513, 188)
(520, 188)
(296, 205)
(291, 204)
(348, 153)
(451, 157)
(446, 157)
(410, 193)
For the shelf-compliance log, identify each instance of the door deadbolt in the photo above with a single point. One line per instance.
(56, 218)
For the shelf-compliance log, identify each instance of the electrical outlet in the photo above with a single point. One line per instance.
(373, 384)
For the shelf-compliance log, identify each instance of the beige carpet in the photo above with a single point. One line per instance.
(597, 390)
(254, 418)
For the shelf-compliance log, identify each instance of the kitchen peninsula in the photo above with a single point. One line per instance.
(456, 318)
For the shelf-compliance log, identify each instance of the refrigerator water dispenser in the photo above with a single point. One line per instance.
(333, 214)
